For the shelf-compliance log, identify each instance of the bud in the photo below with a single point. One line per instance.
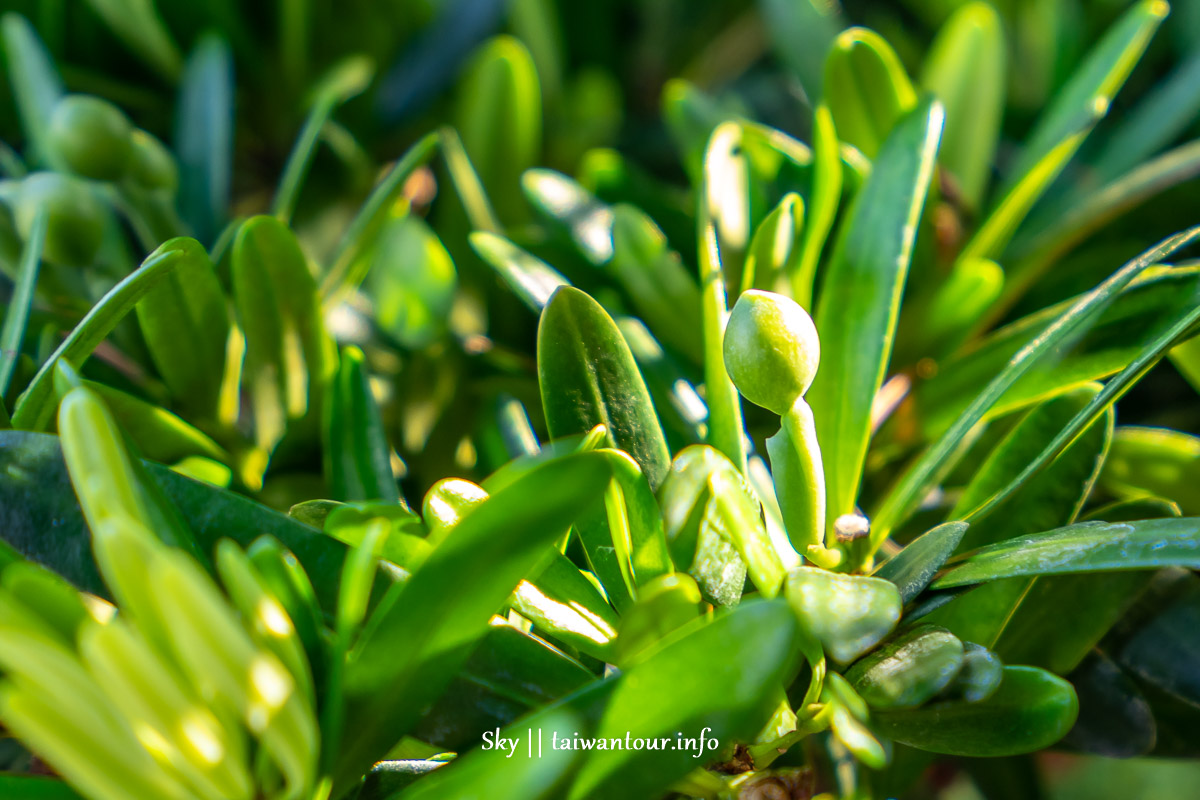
(771, 349)
(90, 137)
(908, 670)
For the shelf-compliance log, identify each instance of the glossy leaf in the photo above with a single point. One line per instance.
(693, 682)
(204, 136)
(491, 550)
(185, 322)
(287, 352)
(966, 68)
(866, 89)
(664, 605)
(1048, 500)
(823, 201)
(860, 300)
(1154, 462)
(588, 377)
(939, 458)
(1031, 710)
(357, 452)
(913, 568)
(412, 282)
(562, 603)
(37, 497)
(847, 614)
(1122, 331)
(1084, 547)
(159, 435)
(980, 676)
(1162, 650)
(531, 279)
(34, 407)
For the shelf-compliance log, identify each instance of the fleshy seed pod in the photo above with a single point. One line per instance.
(771, 349)
(91, 137)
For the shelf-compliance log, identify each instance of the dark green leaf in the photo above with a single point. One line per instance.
(418, 637)
(1084, 547)
(980, 676)
(36, 497)
(28, 787)
(914, 567)
(185, 322)
(138, 25)
(204, 136)
(34, 407)
(357, 453)
(1031, 710)
(1165, 649)
(588, 377)
(1114, 718)
(908, 670)
(16, 315)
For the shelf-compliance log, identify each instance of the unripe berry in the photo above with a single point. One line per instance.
(91, 137)
(75, 217)
(152, 165)
(771, 349)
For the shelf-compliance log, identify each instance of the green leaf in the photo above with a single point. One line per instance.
(35, 82)
(28, 787)
(357, 453)
(16, 315)
(908, 670)
(564, 604)
(138, 25)
(1114, 718)
(860, 300)
(657, 283)
(980, 676)
(499, 116)
(418, 637)
(588, 377)
(714, 526)
(204, 136)
(510, 674)
(345, 80)
(847, 614)
(824, 197)
(1031, 710)
(573, 210)
(288, 356)
(664, 605)
(402, 541)
(1092, 87)
(1155, 462)
(348, 269)
(531, 279)
(1135, 319)
(867, 90)
(936, 322)
(1162, 651)
(159, 434)
(1045, 501)
(34, 407)
(801, 33)
(1084, 547)
(723, 208)
(37, 497)
(775, 246)
(939, 458)
(185, 322)
(526, 771)
(697, 685)
(913, 568)
(966, 68)
(411, 283)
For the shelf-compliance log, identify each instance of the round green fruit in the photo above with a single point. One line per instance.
(90, 137)
(152, 165)
(75, 217)
(771, 349)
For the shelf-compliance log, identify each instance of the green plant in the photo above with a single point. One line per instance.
(612, 556)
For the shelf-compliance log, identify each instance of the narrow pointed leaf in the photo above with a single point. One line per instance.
(357, 452)
(860, 300)
(913, 568)
(204, 136)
